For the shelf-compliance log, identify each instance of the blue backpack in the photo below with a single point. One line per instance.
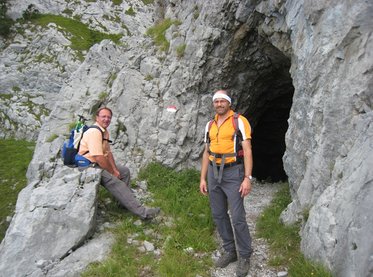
(70, 148)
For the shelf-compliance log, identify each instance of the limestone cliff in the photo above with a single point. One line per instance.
(300, 67)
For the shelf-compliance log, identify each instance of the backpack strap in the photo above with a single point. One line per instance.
(235, 125)
(208, 132)
(102, 133)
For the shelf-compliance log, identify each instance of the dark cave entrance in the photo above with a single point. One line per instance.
(268, 139)
(266, 101)
(268, 115)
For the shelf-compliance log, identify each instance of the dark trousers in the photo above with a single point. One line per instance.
(121, 191)
(224, 197)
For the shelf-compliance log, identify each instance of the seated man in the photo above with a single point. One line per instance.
(95, 147)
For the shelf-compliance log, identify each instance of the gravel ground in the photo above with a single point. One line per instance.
(260, 196)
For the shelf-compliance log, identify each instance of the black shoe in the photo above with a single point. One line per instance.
(152, 212)
(226, 258)
(243, 267)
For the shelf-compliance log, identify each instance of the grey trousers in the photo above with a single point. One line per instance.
(223, 196)
(121, 191)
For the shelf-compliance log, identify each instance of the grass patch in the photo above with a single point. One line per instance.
(117, 2)
(189, 226)
(81, 36)
(157, 33)
(180, 50)
(15, 155)
(284, 240)
(148, 2)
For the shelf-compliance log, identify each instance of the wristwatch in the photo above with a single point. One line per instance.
(249, 177)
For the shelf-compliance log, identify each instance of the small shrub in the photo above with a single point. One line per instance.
(130, 12)
(196, 12)
(68, 12)
(103, 95)
(149, 77)
(5, 22)
(180, 50)
(16, 89)
(31, 12)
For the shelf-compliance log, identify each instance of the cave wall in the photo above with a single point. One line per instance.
(329, 140)
(315, 54)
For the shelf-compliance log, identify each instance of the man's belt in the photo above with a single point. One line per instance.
(227, 165)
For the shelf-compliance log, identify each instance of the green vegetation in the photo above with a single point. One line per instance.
(30, 12)
(157, 33)
(117, 2)
(52, 138)
(16, 89)
(15, 155)
(190, 226)
(5, 96)
(148, 2)
(5, 22)
(180, 50)
(113, 77)
(120, 127)
(185, 223)
(82, 38)
(130, 12)
(103, 95)
(68, 12)
(149, 77)
(284, 240)
(196, 12)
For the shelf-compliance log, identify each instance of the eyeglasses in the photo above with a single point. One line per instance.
(105, 116)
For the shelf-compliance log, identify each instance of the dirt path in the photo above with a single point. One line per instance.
(261, 195)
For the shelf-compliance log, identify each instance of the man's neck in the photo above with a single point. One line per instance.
(222, 117)
(100, 126)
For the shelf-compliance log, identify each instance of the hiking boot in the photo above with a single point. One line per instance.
(243, 267)
(152, 212)
(226, 258)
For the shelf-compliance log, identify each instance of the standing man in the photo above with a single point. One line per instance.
(228, 168)
(116, 179)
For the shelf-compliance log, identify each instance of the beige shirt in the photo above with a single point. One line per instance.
(93, 143)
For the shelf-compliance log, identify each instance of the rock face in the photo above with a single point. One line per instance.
(53, 218)
(300, 67)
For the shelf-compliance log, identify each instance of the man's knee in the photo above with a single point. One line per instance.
(125, 174)
(239, 221)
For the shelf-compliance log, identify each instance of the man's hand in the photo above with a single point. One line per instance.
(116, 173)
(245, 187)
(203, 187)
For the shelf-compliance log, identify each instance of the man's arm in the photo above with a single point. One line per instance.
(108, 164)
(104, 163)
(245, 187)
(113, 165)
(204, 166)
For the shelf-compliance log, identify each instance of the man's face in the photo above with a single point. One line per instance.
(104, 118)
(221, 106)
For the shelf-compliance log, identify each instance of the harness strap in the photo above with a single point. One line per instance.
(219, 174)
